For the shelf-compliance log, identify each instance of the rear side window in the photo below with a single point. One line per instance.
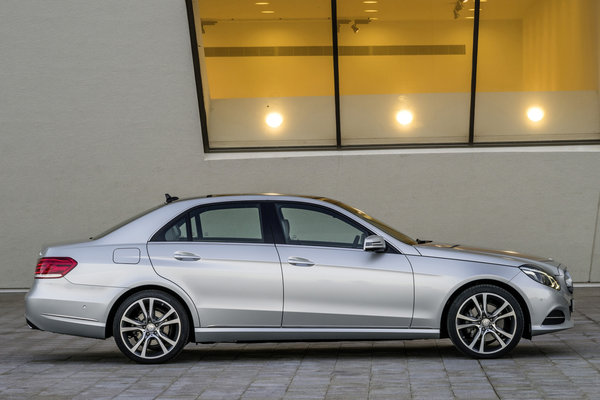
(240, 224)
(228, 222)
(178, 231)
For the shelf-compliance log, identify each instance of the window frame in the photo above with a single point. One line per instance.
(267, 236)
(275, 220)
(322, 210)
(470, 143)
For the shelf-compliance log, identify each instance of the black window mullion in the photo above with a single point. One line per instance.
(336, 75)
(197, 75)
(474, 72)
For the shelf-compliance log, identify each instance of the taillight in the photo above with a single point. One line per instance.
(54, 267)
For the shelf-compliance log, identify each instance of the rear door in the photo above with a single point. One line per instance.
(329, 281)
(225, 259)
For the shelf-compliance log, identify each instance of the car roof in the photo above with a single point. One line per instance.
(265, 194)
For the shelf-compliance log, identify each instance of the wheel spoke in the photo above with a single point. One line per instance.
(462, 316)
(463, 326)
(475, 339)
(482, 343)
(145, 348)
(499, 310)
(143, 308)
(160, 339)
(476, 302)
(131, 321)
(135, 347)
(171, 311)
(131, 328)
(504, 333)
(484, 305)
(508, 314)
(502, 344)
(166, 339)
(173, 321)
(151, 309)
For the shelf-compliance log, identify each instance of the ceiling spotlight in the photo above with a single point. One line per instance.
(457, 7)
(357, 22)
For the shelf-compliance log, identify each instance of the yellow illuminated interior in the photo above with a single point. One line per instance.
(282, 49)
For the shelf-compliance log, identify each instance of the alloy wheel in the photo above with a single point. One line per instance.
(151, 328)
(486, 321)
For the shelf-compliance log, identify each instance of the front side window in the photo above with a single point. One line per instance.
(312, 226)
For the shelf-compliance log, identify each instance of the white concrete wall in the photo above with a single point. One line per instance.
(99, 118)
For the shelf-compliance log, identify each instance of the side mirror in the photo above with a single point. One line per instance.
(374, 243)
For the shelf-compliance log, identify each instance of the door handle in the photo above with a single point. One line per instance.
(185, 256)
(300, 262)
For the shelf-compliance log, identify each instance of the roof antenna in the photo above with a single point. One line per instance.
(170, 198)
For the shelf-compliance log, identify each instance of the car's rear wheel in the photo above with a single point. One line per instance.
(485, 321)
(151, 327)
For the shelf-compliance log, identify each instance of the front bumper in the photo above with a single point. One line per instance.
(545, 303)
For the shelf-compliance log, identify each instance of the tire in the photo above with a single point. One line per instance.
(485, 321)
(151, 327)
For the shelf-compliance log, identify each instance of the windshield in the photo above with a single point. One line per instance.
(122, 224)
(375, 222)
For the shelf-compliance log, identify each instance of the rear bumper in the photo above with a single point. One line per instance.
(56, 305)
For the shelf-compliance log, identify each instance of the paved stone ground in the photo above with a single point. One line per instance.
(43, 365)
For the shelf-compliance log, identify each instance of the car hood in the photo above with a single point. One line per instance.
(504, 257)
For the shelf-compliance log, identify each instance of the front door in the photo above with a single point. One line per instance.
(329, 281)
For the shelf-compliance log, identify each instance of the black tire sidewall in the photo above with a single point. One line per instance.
(167, 298)
(487, 288)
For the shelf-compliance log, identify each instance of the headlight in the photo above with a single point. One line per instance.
(569, 281)
(540, 276)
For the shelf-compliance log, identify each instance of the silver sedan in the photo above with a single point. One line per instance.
(275, 267)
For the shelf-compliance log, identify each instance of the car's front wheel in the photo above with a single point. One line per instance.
(151, 327)
(485, 321)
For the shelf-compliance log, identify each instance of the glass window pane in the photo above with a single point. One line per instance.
(537, 76)
(405, 71)
(267, 71)
(305, 226)
(176, 232)
(231, 224)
